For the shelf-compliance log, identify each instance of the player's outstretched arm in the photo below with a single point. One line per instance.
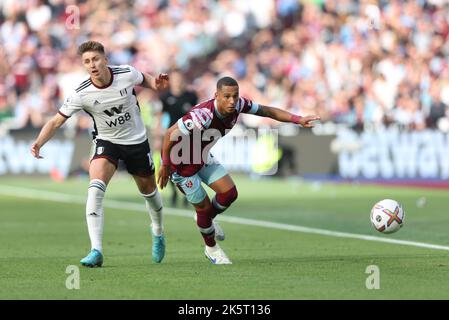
(284, 116)
(47, 132)
(167, 144)
(159, 83)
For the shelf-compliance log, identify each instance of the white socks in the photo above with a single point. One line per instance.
(94, 213)
(153, 202)
(95, 217)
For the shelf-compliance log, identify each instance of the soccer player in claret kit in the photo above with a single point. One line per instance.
(108, 96)
(219, 113)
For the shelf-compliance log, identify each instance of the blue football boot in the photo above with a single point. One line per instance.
(93, 259)
(158, 250)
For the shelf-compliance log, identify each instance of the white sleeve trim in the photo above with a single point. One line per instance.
(137, 75)
(182, 127)
(254, 108)
(72, 104)
(140, 82)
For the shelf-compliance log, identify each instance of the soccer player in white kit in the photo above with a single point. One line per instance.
(108, 96)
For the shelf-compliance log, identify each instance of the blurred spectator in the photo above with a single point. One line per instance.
(438, 109)
(176, 101)
(6, 107)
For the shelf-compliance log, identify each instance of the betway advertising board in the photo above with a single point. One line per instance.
(392, 153)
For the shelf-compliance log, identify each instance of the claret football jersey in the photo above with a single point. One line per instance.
(210, 125)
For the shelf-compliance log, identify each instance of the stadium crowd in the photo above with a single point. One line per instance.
(337, 59)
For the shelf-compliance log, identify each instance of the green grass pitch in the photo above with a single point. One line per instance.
(40, 238)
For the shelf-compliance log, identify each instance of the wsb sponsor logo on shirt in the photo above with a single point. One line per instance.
(119, 120)
(15, 157)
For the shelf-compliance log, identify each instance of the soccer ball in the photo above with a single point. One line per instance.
(387, 216)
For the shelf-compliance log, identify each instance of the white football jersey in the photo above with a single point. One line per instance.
(114, 108)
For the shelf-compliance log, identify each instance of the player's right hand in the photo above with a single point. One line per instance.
(163, 176)
(35, 151)
(307, 121)
(162, 81)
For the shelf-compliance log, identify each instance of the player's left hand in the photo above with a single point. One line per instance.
(162, 81)
(163, 176)
(35, 151)
(307, 121)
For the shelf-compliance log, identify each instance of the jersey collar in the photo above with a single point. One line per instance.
(219, 115)
(106, 85)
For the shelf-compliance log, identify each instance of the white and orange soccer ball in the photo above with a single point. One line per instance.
(387, 216)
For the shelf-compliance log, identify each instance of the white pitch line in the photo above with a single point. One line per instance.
(114, 204)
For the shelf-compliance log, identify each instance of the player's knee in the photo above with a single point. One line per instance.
(146, 185)
(146, 190)
(151, 194)
(227, 198)
(201, 205)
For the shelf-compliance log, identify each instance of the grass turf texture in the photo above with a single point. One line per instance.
(39, 239)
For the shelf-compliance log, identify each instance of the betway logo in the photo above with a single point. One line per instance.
(15, 157)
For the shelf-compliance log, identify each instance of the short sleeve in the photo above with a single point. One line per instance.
(136, 76)
(71, 105)
(199, 119)
(248, 106)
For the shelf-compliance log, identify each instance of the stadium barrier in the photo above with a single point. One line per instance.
(61, 156)
(248, 151)
(385, 154)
